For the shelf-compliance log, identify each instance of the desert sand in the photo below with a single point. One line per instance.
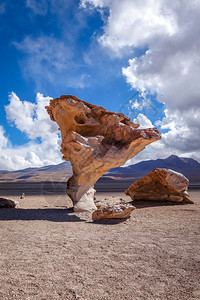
(50, 252)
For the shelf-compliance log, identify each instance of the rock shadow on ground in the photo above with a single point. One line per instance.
(48, 214)
(140, 204)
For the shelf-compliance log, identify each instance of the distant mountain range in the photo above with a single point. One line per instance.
(187, 166)
(60, 172)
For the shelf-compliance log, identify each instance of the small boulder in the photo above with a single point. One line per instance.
(7, 203)
(161, 185)
(117, 211)
(22, 196)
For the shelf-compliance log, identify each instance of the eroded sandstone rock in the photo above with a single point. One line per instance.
(160, 185)
(95, 140)
(117, 211)
(8, 203)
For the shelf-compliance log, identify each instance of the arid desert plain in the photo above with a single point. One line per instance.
(50, 252)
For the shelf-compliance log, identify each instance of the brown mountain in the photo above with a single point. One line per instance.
(187, 166)
(61, 172)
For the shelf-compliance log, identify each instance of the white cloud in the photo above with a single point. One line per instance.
(133, 23)
(170, 67)
(47, 59)
(182, 137)
(143, 121)
(172, 75)
(33, 120)
(183, 134)
(3, 139)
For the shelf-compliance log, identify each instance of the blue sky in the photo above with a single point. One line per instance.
(137, 57)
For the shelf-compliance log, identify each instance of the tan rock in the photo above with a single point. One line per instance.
(8, 203)
(160, 185)
(175, 198)
(95, 140)
(118, 211)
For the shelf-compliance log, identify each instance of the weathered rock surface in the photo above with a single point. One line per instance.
(95, 140)
(86, 203)
(118, 211)
(8, 203)
(161, 185)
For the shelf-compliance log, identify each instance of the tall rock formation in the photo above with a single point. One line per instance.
(94, 140)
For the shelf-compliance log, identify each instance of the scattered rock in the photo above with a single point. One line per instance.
(110, 201)
(161, 185)
(8, 203)
(22, 196)
(118, 211)
(95, 140)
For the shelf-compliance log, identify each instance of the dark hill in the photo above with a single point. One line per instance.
(187, 166)
(61, 172)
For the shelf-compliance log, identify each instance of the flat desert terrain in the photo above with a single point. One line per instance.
(49, 252)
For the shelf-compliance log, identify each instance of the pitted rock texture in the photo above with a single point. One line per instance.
(161, 185)
(95, 140)
(117, 211)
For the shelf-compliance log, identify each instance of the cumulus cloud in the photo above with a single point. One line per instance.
(170, 66)
(183, 130)
(3, 139)
(33, 120)
(180, 138)
(143, 121)
(133, 23)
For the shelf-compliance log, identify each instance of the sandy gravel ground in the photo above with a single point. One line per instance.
(49, 252)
